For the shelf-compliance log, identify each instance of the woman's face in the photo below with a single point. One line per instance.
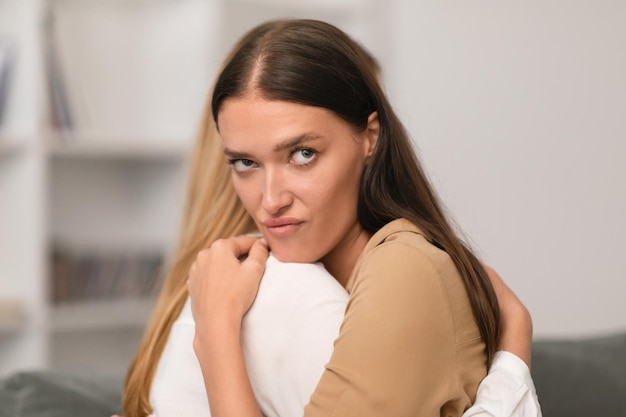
(297, 171)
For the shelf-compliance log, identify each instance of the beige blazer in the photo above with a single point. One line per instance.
(409, 344)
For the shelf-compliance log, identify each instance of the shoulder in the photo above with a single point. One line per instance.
(294, 294)
(400, 270)
(283, 279)
(288, 333)
(402, 263)
(400, 250)
(401, 233)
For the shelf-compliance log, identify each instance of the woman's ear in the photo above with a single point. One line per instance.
(372, 131)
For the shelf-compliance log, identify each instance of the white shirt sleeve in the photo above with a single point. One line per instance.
(178, 386)
(506, 391)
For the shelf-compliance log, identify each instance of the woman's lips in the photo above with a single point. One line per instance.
(282, 226)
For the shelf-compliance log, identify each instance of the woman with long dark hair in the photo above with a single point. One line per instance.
(327, 173)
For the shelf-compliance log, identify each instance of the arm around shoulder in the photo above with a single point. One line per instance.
(508, 390)
(516, 327)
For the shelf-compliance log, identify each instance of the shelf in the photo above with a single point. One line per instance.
(115, 149)
(10, 326)
(305, 5)
(10, 147)
(101, 315)
(12, 316)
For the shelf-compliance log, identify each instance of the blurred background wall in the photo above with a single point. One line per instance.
(517, 112)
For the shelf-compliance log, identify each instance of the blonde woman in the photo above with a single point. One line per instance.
(213, 212)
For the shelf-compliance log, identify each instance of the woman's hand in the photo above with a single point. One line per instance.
(224, 280)
(516, 327)
(222, 286)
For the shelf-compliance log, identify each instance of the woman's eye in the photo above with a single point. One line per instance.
(303, 156)
(242, 165)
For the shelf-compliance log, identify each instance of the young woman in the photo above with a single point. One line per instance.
(302, 138)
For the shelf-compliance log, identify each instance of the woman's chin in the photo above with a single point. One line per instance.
(291, 256)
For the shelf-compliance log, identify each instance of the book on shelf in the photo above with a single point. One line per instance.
(88, 276)
(7, 62)
(60, 109)
(127, 70)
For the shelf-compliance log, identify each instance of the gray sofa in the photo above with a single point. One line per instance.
(574, 378)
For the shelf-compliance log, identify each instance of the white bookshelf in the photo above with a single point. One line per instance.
(93, 316)
(23, 340)
(117, 181)
(139, 149)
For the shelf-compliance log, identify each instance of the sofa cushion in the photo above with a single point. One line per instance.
(48, 394)
(585, 377)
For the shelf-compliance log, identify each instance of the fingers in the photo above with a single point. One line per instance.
(505, 296)
(221, 284)
(515, 320)
(238, 245)
(495, 278)
(503, 293)
(258, 254)
(245, 250)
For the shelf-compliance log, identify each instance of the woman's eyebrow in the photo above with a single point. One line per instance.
(298, 140)
(236, 155)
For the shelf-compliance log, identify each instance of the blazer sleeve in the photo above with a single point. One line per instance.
(395, 354)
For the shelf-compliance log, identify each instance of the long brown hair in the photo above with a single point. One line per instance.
(316, 64)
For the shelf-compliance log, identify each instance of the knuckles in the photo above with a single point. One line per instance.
(220, 249)
(219, 245)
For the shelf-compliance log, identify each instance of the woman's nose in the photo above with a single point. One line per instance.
(276, 194)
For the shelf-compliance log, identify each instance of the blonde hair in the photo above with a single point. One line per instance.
(212, 211)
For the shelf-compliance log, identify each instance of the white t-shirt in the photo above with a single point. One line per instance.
(288, 338)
